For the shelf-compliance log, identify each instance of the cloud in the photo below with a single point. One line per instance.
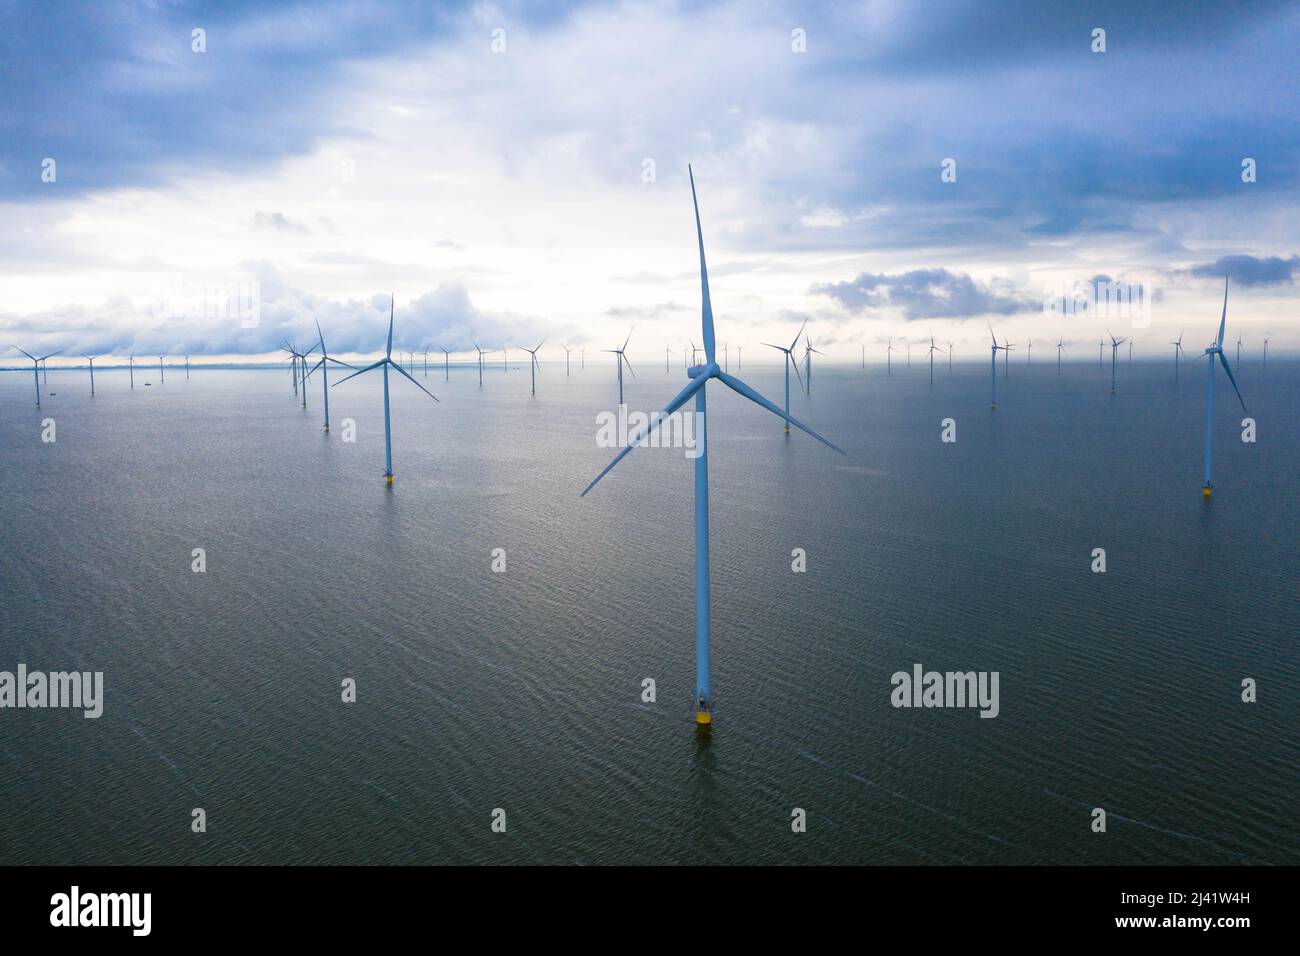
(928, 294)
(1248, 271)
(277, 222)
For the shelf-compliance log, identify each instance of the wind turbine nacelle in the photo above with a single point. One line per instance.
(695, 371)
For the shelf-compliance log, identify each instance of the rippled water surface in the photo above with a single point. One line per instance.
(521, 690)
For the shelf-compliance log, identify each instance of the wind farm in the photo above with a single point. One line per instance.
(680, 616)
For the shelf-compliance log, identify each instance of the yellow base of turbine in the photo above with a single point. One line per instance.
(787, 429)
(1205, 492)
(703, 717)
(388, 479)
(327, 428)
(994, 405)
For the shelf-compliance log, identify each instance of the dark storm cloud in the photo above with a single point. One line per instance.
(1249, 270)
(927, 294)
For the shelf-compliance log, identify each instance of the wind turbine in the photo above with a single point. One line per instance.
(739, 361)
(567, 351)
(1213, 350)
(667, 352)
(808, 353)
(700, 376)
(1029, 352)
(889, 364)
(534, 367)
(91, 360)
(384, 363)
(323, 365)
(1130, 351)
(726, 358)
(1178, 348)
(45, 370)
(789, 361)
(131, 368)
(1114, 349)
(1006, 359)
(481, 353)
(993, 355)
(909, 354)
(426, 363)
(1060, 347)
(582, 354)
(950, 351)
(36, 370)
(933, 348)
(505, 358)
(1264, 365)
(619, 358)
(1238, 351)
(1101, 344)
(864, 358)
(187, 368)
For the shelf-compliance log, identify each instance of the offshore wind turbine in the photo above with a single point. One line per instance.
(1060, 347)
(1114, 349)
(1264, 364)
(993, 355)
(620, 357)
(1029, 352)
(1101, 344)
(667, 352)
(446, 363)
(739, 362)
(1130, 351)
(385, 363)
(481, 353)
(187, 368)
(889, 363)
(1178, 348)
(808, 353)
(131, 368)
(91, 360)
(1006, 359)
(950, 351)
(533, 366)
(726, 358)
(700, 376)
(36, 370)
(789, 361)
(567, 351)
(426, 363)
(933, 348)
(162, 377)
(1216, 349)
(45, 370)
(323, 365)
(505, 357)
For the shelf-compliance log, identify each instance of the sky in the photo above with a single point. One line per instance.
(510, 173)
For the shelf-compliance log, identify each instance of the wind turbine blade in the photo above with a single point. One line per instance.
(316, 366)
(413, 381)
(1227, 369)
(359, 372)
(51, 355)
(629, 364)
(540, 344)
(991, 335)
(321, 336)
(330, 358)
(736, 385)
(1224, 319)
(28, 354)
(795, 362)
(678, 401)
(779, 348)
(796, 336)
(706, 317)
(391, 303)
(625, 341)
